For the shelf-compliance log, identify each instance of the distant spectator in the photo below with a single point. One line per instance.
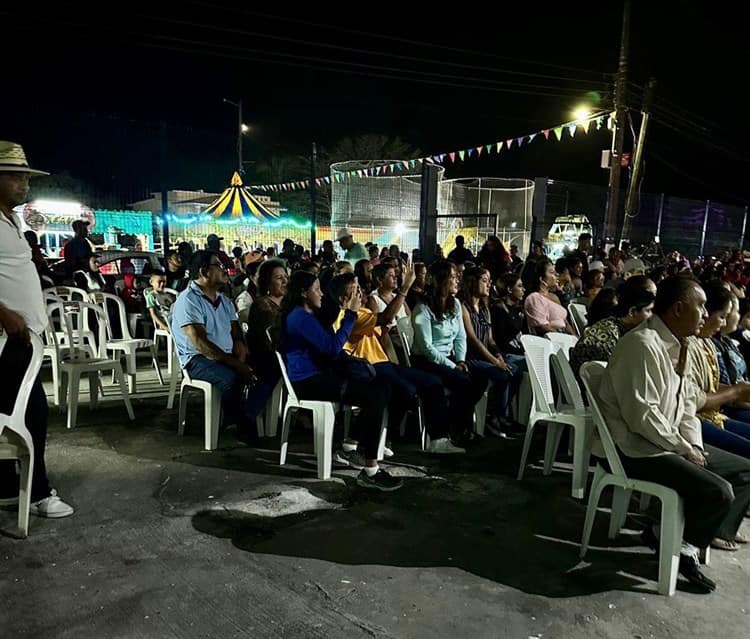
(460, 254)
(78, 250)
(90, 278)
(516, 262)
(354, 250)
(158, 302)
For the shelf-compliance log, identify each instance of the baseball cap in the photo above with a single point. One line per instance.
(213, 236)
(343, 232)
(597, 265)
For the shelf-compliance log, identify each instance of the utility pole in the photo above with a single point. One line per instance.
(648, 99)
(610, 220)
(163, 188)
(313, 198)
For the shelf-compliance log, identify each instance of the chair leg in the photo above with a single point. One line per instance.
(212, 411)
(93, 389)
(383, 435)
(130, 366)
(526, 447)
(620, 503)
(173, 377)
(552, 445)
(288, 413)
(273, 408)
(596, 491)
(323, 422)
(170, 355)
(670, 541)
(524, 400)
(155, 360)
(74, 379)
(581, 459)
(124, 391)
(422, 428)
(480, 414)
(182, 411)
(24, 496)
(55, 379)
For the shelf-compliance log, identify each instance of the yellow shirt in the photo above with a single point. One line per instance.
(364, 340)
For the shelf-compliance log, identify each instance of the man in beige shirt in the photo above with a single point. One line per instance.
(650, 408)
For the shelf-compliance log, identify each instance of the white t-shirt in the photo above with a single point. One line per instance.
(20, 289)
(382, 305)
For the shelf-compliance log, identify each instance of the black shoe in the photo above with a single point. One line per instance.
(381, 480)
(690, 570)
(352, 458)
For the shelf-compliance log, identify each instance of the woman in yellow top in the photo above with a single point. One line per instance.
(703, 369)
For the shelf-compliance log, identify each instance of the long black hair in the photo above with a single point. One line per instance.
(299, 283)
(533, 274)
(437, 276)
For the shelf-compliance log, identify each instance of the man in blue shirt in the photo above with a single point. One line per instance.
(209, 342)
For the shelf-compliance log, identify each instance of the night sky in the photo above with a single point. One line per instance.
(86, 88)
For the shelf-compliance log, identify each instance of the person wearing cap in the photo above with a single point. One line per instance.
(22, 311)
(595, 278)
(78, 251)
(213, 244)
(354, 250)
(583, 251)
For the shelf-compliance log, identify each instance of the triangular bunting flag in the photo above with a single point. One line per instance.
(392, 167)
(327, 179)
(413, 163)
(462, 154)
(599, 121)
(545, 133)
(452, 156)
(585, 126)
(499, 146)
(558, 132)
(508, 143)
(532, 136)
(489, 148)
(470, 151)
(609, 122)
(479, 150)
(572, 129)
(520, 141)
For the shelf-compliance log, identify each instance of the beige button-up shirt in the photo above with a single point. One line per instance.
(649, 408)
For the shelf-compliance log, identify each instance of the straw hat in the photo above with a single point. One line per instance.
(13, 159)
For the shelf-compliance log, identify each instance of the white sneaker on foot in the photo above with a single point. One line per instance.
(443, 446)
(52, 507)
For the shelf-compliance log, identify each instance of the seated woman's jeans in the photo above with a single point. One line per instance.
(733, 438)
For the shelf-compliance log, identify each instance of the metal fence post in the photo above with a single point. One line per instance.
(744, 225)
(705, 225)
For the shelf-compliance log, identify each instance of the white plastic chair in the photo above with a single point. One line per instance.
(15, 439)
(538, 355)
(405, 331)
(211, 409)
(79, 361)
(563, 341)
(71, 293)
(127, 345)
(324, 417)
(578, 313)
(672, 515)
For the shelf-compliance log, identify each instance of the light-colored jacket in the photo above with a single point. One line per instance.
(437, 340)
(649, 408)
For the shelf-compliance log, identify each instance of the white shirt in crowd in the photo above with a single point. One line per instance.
(382, 306)
(20, 290)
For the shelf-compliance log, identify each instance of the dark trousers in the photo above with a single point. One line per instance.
(234, 402)
(716, 497)
(371, 397)
(733, 438)
(13, 363)
(407, 384)
(465, 391)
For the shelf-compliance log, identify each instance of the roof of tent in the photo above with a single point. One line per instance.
(237, 201)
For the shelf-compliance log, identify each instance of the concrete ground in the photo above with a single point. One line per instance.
(171, 541)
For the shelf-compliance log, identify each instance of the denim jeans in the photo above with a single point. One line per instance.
(733, 438)
(233, 401)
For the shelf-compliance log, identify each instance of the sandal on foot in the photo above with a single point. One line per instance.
(724, 544)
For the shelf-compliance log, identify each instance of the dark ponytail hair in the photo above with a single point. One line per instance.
(437, 275)
(299, 282)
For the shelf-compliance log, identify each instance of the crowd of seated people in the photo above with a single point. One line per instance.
(334, 322)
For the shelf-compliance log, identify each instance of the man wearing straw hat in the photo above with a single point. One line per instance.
(22, 310)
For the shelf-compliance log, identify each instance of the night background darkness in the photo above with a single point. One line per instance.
(86, 87)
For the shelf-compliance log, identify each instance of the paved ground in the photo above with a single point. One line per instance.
(170, 541)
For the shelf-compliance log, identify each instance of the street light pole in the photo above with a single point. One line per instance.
(240, 131)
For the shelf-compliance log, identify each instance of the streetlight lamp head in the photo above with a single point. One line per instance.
(244, 128)
(581, 112)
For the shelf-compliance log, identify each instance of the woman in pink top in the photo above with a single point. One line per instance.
(544, 313)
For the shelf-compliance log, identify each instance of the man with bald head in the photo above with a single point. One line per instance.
(650, 408)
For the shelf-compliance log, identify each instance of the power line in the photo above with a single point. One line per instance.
(340, 65)
(396, 38)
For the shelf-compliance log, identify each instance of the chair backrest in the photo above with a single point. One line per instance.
(579, 313)
(71, 293)
(16, 420)
(566, 380)
(405, 331)
(102, 300)
(173, 292)
(50, 295)
(592, 374)
(73, 325)
(287, 383)
(563, 342)
(538, 351)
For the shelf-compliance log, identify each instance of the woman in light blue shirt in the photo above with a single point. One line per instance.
(440, 348)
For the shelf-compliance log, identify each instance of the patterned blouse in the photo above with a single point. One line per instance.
(705, 374)
(732, 365)
(480, 322)
(597, 343)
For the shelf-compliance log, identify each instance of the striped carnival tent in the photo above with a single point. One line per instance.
(237, 202)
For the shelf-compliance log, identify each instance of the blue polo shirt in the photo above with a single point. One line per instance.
(193, 307)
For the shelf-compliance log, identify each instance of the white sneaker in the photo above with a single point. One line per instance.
(52, 507)
(443, 446)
